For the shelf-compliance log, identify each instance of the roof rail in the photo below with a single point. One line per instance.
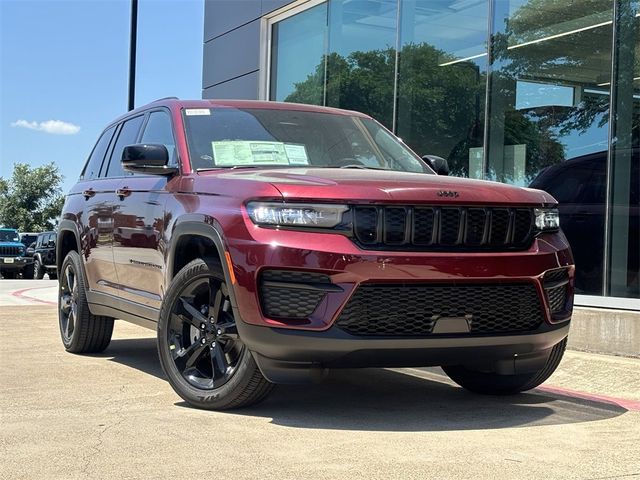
(165, 98)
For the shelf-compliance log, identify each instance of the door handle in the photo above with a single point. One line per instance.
(123, 192)
(88, 193)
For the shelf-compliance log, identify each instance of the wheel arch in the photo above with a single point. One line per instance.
(68, 239)
(191, 239)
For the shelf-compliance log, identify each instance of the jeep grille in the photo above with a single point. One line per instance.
(443, 228)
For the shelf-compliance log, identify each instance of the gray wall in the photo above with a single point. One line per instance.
(231, 63)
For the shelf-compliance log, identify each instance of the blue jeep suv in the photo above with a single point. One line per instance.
(13, 258)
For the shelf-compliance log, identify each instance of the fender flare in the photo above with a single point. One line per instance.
(204, 227)
(67, 226)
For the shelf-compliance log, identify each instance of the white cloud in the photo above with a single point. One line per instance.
(56, 127)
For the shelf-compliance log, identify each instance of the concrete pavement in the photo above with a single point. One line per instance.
(28, 292)
(114, 416)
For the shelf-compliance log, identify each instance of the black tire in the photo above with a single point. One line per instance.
(27, 272)
(494, 384)
(9, 275)
(38, 269)
(80, 330)
(53, 275)
(199, 348)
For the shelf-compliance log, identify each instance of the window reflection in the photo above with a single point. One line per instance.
(624, 240)
(361, 60)
(549, 105)
(431, 71)
(297, 57)
(442, 81)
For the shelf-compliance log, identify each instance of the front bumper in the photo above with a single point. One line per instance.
(297, 356)
(348, 267)
(14, 263)
(300, 351)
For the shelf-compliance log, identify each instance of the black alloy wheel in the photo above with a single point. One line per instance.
(80, 330)
(200, 350)
(68, 302)
(202, 335)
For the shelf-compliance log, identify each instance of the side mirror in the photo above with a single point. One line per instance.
(147, 158)
(439, 164)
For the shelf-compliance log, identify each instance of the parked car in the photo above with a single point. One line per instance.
(580, 185)
(27, 239)
(269, 242)
(44, 256)
(13, 258)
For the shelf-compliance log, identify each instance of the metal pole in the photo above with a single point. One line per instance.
(132, 53)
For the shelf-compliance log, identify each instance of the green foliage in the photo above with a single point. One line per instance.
(31, 200)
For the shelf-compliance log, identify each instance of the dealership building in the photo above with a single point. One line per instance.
(540, 93)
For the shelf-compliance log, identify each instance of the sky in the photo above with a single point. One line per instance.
(64, 68)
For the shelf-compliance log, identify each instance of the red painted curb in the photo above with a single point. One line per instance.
(20, 294)
(632, 405)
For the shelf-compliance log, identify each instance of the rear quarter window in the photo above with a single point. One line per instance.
(92, 168)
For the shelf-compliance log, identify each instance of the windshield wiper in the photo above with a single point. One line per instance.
(235, 167)
(363, 167)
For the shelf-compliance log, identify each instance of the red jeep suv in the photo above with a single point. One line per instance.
(269, 242)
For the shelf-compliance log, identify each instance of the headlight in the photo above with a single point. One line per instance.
(547, 218)
(296, 214)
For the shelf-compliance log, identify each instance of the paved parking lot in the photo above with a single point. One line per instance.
(113, 416)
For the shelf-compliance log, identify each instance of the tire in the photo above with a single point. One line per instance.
(53, 275)
(80, 330)
(38, 269)
(9, 275)
(494, 384)
(201, 353)
(27, 271)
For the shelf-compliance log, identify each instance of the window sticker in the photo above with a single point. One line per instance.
(296, 153)
(190, 112)
(242, 152)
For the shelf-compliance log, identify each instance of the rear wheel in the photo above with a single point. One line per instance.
(198, 343)
(38, 270)
(494, 384)
(9, 275)
(81, 331)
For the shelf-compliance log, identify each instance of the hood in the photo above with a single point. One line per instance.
(12, 244)
(358, 185)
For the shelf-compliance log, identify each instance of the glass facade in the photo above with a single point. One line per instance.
(540, 93)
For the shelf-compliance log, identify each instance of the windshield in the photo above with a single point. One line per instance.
(28, 239)
(230, 137)
(9, 236)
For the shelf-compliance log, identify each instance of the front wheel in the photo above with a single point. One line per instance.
(494, 384)
(198, 343)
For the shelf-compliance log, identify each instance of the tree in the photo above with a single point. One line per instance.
(31, 200)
